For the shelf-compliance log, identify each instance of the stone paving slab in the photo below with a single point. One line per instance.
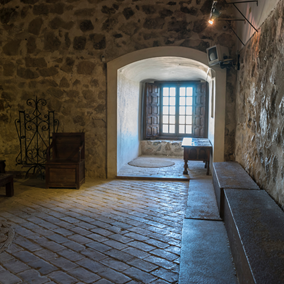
(107, 232)
(201, 201)
(205, 255)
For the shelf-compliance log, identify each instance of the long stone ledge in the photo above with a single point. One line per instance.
(255, 227)
(230, 175)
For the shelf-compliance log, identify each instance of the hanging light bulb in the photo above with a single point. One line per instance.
(215, 13)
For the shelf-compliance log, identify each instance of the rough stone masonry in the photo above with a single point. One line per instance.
(260, 106)
(53, 48)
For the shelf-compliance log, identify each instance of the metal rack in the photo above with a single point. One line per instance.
(34, 131)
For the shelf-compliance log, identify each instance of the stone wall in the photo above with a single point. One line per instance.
(57, 50)
(162, 148)
(260, 106)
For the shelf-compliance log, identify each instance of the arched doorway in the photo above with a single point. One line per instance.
(135, 64)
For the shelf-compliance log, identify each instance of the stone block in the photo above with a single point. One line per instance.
(154, 23)
(7, 14)
(64, 83)
(165, 13)
(88, 12)
(12, 47)
(57, 8)
(57, 23)
(79, 42)
(230, 175)
(108, 10)
(47, 72)
(31, 2)
(149, 9)
(114, 276)
(9, 278)
(62, 277)
(35, 26)
(84, 275)
(3, 2)
(128, 13)
(35, 62)
(27, 73)
(99, 41)
(9, 69)
(31, 45)
(255, 227)
(86, 25)
(41, 9)
(55, 92)
(85, 67)
(51, 42)
(109, 24)
(68, 65)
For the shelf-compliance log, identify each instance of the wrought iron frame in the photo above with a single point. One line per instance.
(34, 131)
(245, 19)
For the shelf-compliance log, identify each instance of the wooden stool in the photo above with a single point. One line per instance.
(7, 180)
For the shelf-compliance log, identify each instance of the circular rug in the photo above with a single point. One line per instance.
(145, 162)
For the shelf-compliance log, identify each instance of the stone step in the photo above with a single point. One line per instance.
(201, 201)
(230, 175)
(153, 177)
(255, 227)
(205, 254)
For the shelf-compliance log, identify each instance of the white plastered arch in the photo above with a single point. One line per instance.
(216, 132)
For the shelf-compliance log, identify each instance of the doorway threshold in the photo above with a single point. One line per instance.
(161, 178)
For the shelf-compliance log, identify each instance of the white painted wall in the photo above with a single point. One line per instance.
(219, 114)
(211, 113)
(255, 14)
(183, 58)
(128, 93)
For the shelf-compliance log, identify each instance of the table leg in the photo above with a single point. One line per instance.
(185, 167)
(10, 188)
(208, 161)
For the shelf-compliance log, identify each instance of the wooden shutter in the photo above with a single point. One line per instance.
(200, 110)
(151, 110)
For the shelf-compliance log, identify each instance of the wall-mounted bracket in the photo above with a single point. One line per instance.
(240, 2)
(234, 20)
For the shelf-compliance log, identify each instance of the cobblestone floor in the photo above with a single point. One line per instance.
(107, 232)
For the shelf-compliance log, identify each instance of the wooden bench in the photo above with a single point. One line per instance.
(7, 180)
(2, 166)
(230, 175)
(255, 227)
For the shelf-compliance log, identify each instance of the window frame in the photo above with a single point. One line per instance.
(177, 85)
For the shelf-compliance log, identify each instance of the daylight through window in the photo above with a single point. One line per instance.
(175, 109)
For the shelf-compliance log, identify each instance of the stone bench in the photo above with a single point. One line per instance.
(229, 175)
(255, 227)
(7, 181)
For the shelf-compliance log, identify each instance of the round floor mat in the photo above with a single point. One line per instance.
(145, 162)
